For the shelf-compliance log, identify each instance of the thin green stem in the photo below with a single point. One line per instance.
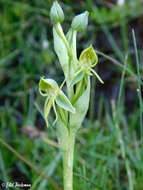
(59, 31)
(68, 155)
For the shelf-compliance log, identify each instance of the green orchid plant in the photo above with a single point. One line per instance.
(69, 107)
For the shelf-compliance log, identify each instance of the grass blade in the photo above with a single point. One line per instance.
(139, 84)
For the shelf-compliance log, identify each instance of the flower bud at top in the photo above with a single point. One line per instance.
(80, 22)
(56, 13)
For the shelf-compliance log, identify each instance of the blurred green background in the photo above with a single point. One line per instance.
(26, 54)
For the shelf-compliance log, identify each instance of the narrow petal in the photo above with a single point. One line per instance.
(62, 84)
(97, 76)
(54, 108)
(47, 108)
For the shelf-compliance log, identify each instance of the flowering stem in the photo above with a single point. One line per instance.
(68, 162)
(72, 109)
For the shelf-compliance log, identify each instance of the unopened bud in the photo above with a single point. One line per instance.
(56, 13)
(80, 22)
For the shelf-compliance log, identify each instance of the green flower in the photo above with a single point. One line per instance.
(88, 59)
(50, 89)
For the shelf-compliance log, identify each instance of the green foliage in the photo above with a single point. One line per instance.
(114, 14)
(26, 53)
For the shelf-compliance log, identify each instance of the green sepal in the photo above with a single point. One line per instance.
(45, 84)
(63, 102)
(88, 56)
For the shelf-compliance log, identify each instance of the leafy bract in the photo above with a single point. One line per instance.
(81, 107)
(61, 51)
(64, 102)
(77, 77)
